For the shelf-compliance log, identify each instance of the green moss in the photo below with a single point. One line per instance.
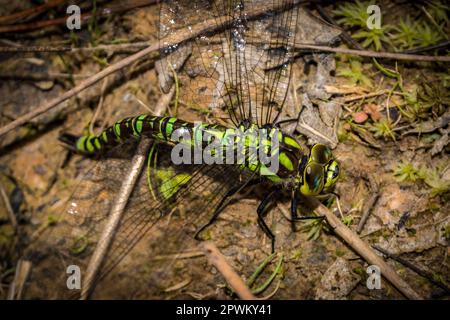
(405, 171)
(339, 252)
(447, 232)
(428, 28)
(353, 14)
(6, 235)
(374, 37)
(360, 271)
(355, 71)
(296, 254)
(382, 129)
(347, 220)
(52, 220)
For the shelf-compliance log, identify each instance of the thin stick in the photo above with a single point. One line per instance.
(28, 13)
(106, 11)
(217, 259)
(364, 96)
(430, 17)
(299, 46)
(99, 106)
(117, 210)
(114, 218)
(364, 250)
(427, 275)
(9, 210)
(163, 102)
(367, 209)
(72, 92)
(106, 47)
(429, 48)
(38, 76)
(178, 256)
(35, 49)
(376, 54)
(174, 38)
(16, 288)
(354, 44)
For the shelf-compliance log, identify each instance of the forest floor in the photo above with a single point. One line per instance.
(391, 138)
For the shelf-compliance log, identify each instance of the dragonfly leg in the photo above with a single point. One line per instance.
(294, 216)
(294, 208)
(261, 210)
(220, 207)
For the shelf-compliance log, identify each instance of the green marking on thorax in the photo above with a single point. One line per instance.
(286, 162)
(291, 142)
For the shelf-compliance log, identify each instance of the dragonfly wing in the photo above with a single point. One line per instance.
(162, 190)
(249, 61)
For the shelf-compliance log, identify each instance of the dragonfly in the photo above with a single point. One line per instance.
(245, 71)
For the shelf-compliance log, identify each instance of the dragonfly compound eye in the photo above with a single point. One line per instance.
(320, 154)
(313, 179)
(332, 174)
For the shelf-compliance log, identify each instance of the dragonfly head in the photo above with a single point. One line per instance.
(317, 172)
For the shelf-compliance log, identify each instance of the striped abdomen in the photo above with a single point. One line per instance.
(158, 128)
(161, 129)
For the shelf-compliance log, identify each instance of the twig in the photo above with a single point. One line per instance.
(114, 47)
(364, 96)
(35, 49)
(364, 250)
(178, 286)
(429, 48)
(9, 210)
(163, 102)
(217, 259)
(99, 106)
(398, 56)
(72, 92)
(430, 17)
(417, 270)
(174, 38)
(22, 271)
(181, 255)
(376, 54)
(39, 76)
(114, 218)
(128, 5)
(29, 13)
(117, 210)
(106, 47)
(367, 209)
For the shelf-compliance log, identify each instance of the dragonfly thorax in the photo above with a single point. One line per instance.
(314, 174)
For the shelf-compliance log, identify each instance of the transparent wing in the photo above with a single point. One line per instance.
(192, 191)
(245, 68)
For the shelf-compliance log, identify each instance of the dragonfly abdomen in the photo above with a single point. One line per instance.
(163, 128)
(158, 128)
